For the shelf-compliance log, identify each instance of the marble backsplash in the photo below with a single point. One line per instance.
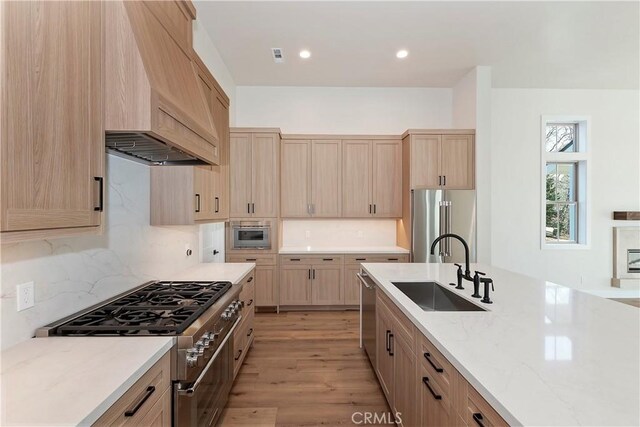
(73, 273)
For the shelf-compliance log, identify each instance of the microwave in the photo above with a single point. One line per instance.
(250, 235)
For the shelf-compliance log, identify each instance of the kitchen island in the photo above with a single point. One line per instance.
(541, 354)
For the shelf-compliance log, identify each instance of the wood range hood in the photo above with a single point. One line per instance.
(155, 109)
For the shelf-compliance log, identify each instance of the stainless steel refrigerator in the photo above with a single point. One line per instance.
(436, 212)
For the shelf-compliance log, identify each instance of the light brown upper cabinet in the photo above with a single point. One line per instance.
(254, 173)
(52, 134)
(441, 159)
(183, 195)
(154, 97)
(372, 178)
(311, 178)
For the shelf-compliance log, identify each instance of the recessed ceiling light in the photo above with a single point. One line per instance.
(402, 53)
(304, 54)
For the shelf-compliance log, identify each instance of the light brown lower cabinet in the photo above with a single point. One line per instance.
(266, 276)
(153, 390)
(243, 334)
(420, 384)
(311, 280)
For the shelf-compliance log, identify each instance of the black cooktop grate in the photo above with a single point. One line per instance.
(160, 308)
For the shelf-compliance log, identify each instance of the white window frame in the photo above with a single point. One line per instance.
(583, 157)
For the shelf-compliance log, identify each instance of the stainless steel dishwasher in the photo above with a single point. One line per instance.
(368, 315)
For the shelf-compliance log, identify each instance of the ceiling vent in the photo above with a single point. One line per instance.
(277, 55)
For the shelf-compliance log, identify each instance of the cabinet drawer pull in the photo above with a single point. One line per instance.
(436, 396)
(387, 340)
(327, 259)
(437, 368)
(392, 259)
(147, 394)
(294, 259)
(100, 206)
(252, 259)
(391, 345)
(250, 279)
(361, 259)
(239, 354)
(249, 303)
(477, 417)
(250, 330)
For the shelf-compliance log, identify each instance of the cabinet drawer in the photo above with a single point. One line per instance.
(477, 411)
(132, 408)
(307, 259)
(358, 259)
(435, 363)
(405, 327)
(258, 259)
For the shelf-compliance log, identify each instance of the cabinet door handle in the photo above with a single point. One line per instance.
(437, 368)
(239, 354)
(444, 180)
(197, 202)
(248, 208)
(249, 304)
(100, 206)
(253, 208)
(147, 394)
(387, 340)
(477, 417)
(391, 345)
(375, 208)
(369, 208)
(439, 179)
(250, 330)
(309, 274)
(217, 204)
(436, 396)
(314, 274)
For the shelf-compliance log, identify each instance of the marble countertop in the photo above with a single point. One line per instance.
(232, 272)
(285, 250)
(69, 381)
(543, 354)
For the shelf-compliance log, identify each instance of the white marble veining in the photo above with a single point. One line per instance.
(338, 232)
(74, 273)
(287, 250)
(70, 381)
(543, 354)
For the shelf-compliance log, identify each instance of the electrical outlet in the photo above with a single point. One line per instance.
(25, 296)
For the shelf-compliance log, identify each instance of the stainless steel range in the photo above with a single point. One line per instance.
(202, 315)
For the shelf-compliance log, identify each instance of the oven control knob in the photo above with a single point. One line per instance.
(237, 305)
(192, 359)
(210, 336)
(199, 348)
(226, 315)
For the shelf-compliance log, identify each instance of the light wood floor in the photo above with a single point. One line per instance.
(630, 301)
(305, 369)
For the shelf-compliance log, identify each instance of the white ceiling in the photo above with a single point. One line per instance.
(589, 45)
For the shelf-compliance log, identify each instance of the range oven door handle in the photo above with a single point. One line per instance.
(364, 282)
(196, 383)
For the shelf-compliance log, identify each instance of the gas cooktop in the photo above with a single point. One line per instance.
(159, 308)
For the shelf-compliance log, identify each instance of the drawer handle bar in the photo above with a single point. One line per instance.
(250, 279)
(252, 259)
(250, 332)
(147, 394)
(391, 345)
(239, 354)
(249, 303)
(387, 340)
(437, 368)
(327, 259)
(436, 396)
(361, 259)
(477, 417)
(294, 259)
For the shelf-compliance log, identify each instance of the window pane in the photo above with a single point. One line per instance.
(551, 226)
(567, 223)
(561, 137)
(551, 181)
(566, 182)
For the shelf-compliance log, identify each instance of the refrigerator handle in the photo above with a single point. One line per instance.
(448, 225)
(442, 221)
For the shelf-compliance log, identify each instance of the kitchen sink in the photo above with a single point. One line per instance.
(431, 296)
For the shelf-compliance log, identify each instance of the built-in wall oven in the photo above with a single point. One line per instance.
(251, 235)
(368, 315)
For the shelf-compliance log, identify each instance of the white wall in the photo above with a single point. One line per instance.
(516, 181)
(338, 110)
